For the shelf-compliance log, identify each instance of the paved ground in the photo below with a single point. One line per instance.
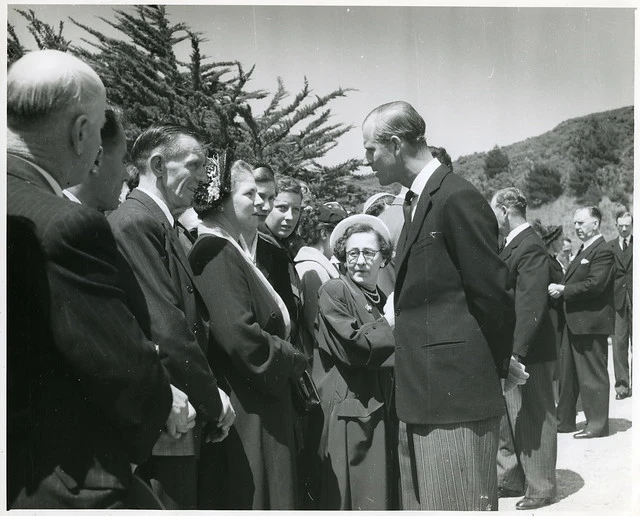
(596, 475)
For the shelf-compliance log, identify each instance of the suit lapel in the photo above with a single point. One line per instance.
(171, 236)
(586, 253)
(423, 207)
(508, 250)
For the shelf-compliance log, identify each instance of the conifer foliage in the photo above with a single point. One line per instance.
(543, 184)
(144, 77)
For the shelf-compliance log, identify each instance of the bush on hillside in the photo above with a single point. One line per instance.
(495, 162)
(543, 184)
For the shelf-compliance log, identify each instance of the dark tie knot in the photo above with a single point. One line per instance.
(408, 198)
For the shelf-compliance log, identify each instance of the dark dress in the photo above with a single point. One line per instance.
(254, 467)
(353, 370)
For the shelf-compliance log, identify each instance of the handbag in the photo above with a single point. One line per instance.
(304, 393)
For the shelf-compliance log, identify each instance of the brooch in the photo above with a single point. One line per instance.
(368, 308)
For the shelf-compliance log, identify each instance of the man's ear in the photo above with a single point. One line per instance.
(80, 134)
(396, 142)
(156, 163)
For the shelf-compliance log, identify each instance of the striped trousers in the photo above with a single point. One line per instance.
(449, 467)
(528, 436)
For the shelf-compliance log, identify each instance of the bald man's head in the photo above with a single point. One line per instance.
(48, 83)
(55, 110)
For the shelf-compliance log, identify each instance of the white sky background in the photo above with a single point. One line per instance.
(479, 76)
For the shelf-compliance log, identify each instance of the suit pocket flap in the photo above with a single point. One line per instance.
(355, 408)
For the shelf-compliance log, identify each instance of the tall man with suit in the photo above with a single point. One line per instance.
(622, 248)
(587, 290)
(87, 392)
(453, 321)
(528, 432)
(170, 160)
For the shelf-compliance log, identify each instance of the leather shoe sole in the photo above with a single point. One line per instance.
(532, 503)
(586, 434)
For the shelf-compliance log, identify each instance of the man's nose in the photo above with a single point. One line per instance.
(288, 215)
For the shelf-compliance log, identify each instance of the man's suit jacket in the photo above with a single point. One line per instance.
(168, 306)
(588, 291)
(529, 270)
(94, 393)
(623, 277)
(454, 317)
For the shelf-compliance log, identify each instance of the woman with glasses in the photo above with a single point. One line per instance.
(353, 370)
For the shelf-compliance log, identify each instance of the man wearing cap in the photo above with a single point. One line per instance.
(622, 248)
(587, 290)
(528, 438)
(453, 322)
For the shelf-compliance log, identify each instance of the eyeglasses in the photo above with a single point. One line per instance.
(354, 254)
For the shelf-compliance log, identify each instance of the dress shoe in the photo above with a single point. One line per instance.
(622, 395)
(586, 434)
(566, 429)
(532, 503)
(503, 492)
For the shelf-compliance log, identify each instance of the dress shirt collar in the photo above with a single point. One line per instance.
(515, 232)
(421, 181)
(70, 196)
(587, 243)
(55, 186)
(163, 205)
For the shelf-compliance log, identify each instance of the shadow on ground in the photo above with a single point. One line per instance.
(618, 425)
(568, 483)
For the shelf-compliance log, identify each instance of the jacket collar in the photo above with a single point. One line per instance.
(28, 171)
(424, 204)
(584, 254)
(515, 242)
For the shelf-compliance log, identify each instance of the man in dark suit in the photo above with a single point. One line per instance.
(87, 392)
(453, 321)
(622, 248)
(167, 304)
(102, 188)
(528, 433)
(587, 289)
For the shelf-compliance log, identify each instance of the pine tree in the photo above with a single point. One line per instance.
(144, 77)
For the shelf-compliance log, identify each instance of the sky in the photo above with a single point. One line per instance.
(480, 76)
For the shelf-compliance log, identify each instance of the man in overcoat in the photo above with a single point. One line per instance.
(87, 394)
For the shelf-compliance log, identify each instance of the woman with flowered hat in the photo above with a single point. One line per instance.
(254, 468)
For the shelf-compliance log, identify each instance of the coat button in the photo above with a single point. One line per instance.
(397, 312)
(190, 289)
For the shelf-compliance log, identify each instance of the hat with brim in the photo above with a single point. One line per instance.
(369, 220)
(551, 233)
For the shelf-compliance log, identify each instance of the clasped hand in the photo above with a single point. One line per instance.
(182, 416)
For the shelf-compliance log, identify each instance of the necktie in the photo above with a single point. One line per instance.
(624, 244)
(503, 244)
(406, 207)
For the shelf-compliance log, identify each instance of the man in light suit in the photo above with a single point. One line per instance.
(587, 290)
(167, 304)
(453, 321)
(87, 393)
(622, 248)
(528, 433)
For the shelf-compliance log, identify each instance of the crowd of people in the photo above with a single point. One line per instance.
(198, 332)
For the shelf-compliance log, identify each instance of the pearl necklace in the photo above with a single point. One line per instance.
(374, 296)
